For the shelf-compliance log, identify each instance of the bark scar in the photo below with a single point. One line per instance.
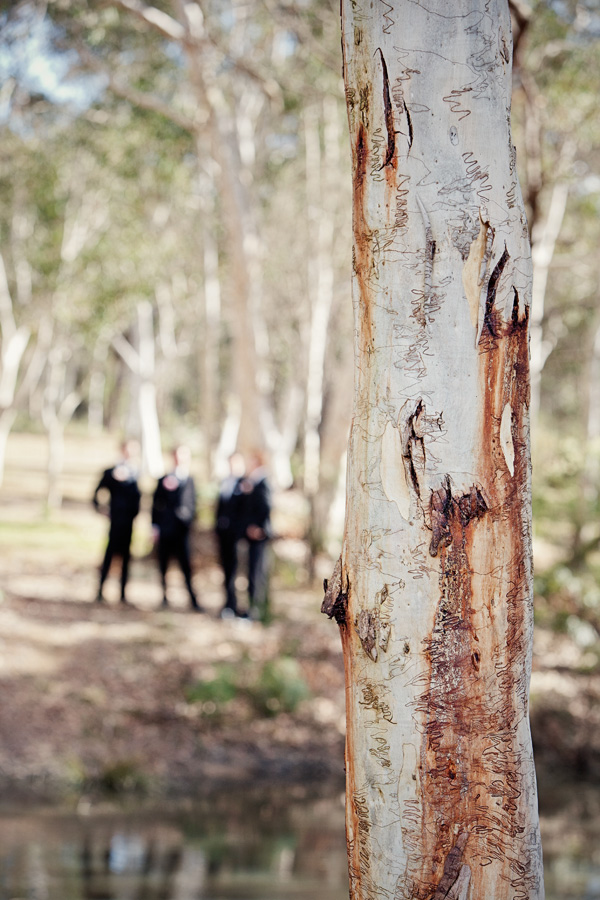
(471, 271)
(413, 445)
(489, 318)
(430, 247)
(443, 507)
(389, 114)
(453, 872)
(366, 626)
(410, 127)
(335, 602)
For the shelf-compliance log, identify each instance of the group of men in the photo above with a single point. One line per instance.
(242, 514)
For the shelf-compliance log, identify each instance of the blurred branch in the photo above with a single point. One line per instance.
(67, 408)
(144, 100)
(192, 33)
(521, 15)
(156, 18)
(37, 362)
(127, 353)
(294, 18)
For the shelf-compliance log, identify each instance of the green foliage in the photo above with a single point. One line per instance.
(280, 687)
(216, 692)
(276, 686)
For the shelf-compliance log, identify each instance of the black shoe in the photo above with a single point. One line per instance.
(124, 600)
(99, 597)
(164, 603)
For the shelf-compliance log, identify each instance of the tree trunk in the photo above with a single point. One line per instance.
(13, 343)
(545, 236)
(320, 266)
(151, 443)
(59, 403)
(209, 404)
(433, 591)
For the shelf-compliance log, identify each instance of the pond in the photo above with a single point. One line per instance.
(285, 844)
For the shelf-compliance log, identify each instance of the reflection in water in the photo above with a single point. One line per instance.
(570, 820)
(228, 849)
(244, 847)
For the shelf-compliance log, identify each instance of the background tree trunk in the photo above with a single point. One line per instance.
(13, 343)
(433, 591)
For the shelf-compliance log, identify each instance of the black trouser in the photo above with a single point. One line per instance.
(229, 563)
(257, 573)
(119, 544)
(176, 545)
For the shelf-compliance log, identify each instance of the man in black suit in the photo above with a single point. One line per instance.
(173, 514)
(257, 530)
(124, 505)
(229, 528)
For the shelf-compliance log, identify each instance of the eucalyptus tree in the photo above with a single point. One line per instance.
(433, 590)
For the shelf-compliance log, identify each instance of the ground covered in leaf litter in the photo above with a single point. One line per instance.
(115, 698)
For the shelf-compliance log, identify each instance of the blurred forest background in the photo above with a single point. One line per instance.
(175, 259)
(175, 265)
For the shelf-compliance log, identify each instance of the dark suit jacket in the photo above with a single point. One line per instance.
(174, 505)
(257, 505)
(124, 494)
(229, 519)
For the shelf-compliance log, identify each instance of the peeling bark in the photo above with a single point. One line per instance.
(433, 590)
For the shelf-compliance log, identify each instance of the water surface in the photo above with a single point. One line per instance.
(283, 844)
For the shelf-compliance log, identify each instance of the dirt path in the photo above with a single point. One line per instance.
(113, 697)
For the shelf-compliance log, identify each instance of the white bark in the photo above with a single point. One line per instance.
(433, 592)
(320, 278)
(14, 341)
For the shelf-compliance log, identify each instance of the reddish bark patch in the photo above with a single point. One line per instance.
(362, 256)
(474, 769)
